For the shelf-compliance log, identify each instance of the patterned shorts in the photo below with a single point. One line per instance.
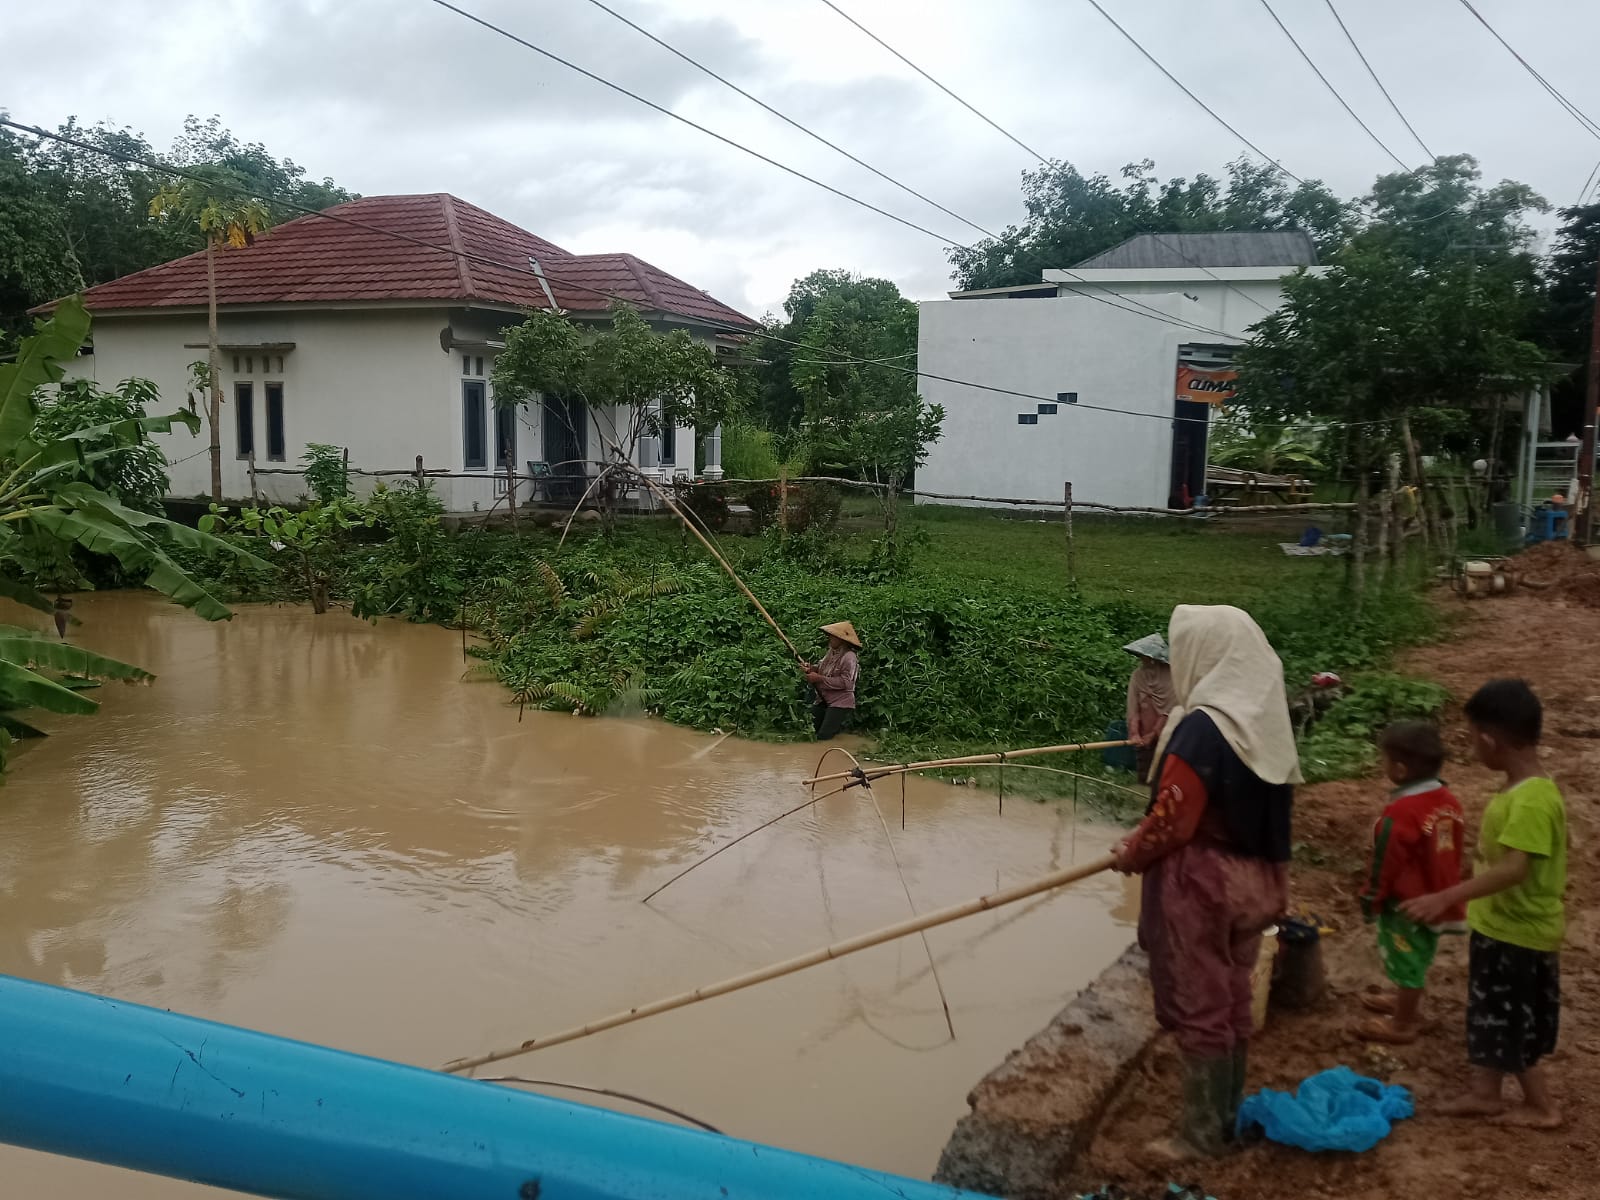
(1513, 1004)
(1406, 948)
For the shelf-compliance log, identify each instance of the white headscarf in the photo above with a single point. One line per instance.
(1223, 665)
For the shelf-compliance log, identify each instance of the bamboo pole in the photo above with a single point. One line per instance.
(864, 941)
(997, 757)
(731, 573)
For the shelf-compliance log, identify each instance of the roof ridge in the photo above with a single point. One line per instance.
(447, 204)
(634, 263)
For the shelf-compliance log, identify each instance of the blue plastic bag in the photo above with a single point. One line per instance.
(1333, 1110)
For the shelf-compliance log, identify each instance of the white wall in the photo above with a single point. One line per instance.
(1042, 347)
(375, 381)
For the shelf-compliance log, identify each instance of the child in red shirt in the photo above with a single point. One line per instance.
(1416, 851)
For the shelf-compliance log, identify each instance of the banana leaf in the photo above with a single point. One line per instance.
(22, 688)
(36, 364)
(42, 653)
(11, 589)
(103, 534)
(18, 728)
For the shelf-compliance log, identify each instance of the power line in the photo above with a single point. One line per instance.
(1043, 161)
(1006, 133)
(1317, 71)
(788, 120)
(1578, 115)
(667, 112)
(1349, 37)
(844, 358)
(1215, 116)
(1137, 305)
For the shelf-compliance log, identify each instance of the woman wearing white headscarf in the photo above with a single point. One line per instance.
(1214, 852)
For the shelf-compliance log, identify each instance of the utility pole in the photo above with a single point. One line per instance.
(1591, 403)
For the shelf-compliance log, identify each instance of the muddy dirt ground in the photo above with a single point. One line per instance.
(1555, 644)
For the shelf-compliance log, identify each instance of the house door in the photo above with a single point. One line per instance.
(566, 444)
(1189, 429)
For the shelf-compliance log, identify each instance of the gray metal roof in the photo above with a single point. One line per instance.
(1149, 251)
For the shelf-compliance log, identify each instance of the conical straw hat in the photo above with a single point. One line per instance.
(844, 630)
(1153, 646)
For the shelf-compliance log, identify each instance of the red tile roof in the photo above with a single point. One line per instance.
(364, 256)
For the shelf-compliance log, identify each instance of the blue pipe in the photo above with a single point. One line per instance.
(135, 1087)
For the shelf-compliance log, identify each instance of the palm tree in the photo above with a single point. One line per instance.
(226, 215)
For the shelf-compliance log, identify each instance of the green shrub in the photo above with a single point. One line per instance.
(748, 452)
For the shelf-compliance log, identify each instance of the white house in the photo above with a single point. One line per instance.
(378, 332)
(1143, 329)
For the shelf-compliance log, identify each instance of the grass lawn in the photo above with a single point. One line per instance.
(1156, 563)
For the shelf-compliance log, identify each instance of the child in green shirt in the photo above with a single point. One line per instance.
(1515, 912)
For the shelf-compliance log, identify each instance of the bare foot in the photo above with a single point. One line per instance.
(1387, 1032)
(1472, 1105)
(1528, 1117)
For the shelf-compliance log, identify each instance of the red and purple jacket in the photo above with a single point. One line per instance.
(1416, 850)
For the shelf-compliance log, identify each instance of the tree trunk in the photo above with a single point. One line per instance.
(1396, 540)
(1380, 558)
(1424, 512)
(1358, 543)
(214, 361)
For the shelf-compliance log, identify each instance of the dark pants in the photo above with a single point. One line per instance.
(829, 721)
(1513, 1005)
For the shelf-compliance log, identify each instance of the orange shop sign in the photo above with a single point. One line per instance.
(1206, 387)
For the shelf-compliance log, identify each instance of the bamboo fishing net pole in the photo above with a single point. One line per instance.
(732, 574)
(824, 954)
(998, 756)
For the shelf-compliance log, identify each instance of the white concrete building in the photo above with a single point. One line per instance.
(1111, 333)
(378, 332)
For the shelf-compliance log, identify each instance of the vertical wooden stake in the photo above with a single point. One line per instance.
(347, 470)
(1380, 561)
(1072, 552)
(255, 500)
(1391, 507)
(783, 501)
(511, 491)
(419, 470)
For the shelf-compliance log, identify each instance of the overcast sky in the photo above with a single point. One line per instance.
(405, 96)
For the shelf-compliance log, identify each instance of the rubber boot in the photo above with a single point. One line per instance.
(1200, 1133)
(1233, 1096)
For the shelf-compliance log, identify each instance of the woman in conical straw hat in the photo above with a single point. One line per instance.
(1149, 698)
(835, 680)
(1214, 853)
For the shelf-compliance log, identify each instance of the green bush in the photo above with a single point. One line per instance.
(748, 452)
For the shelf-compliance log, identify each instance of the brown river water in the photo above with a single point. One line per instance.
(314, 827)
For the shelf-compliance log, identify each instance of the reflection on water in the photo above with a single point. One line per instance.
(312, 826)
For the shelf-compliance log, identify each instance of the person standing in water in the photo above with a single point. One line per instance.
(835, 680)
(1149, 698)
(1214, 852)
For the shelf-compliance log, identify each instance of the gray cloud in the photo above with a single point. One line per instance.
(400, 95)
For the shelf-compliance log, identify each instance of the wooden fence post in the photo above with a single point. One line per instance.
(255, 501)
(419, 470)
(1072, 552)
(511, 491)
(783, 501)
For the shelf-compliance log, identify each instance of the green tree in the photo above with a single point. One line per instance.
(82, 215)
(1569, 318)
(870, 312)
(131, 472)
(632, 380)
(226, 215)
(47, 498)
(1071, 217)
(862, 410)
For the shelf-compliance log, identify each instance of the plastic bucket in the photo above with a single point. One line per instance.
(1261, 978)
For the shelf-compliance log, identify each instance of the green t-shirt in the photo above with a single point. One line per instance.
(1531, 817)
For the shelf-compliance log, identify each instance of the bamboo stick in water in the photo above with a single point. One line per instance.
(824, 954)
(997, 757)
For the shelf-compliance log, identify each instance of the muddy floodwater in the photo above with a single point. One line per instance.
(313, 826)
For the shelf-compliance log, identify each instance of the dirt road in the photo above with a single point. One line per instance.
(1556, 647)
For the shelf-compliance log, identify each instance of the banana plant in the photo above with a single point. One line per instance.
(45, 497)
